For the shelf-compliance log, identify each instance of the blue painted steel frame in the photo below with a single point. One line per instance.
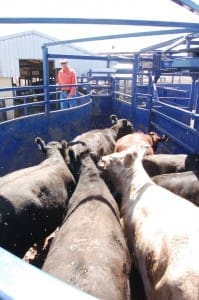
(17, 136)
(46, 79)
(192, 6)
(123, 36)
(22, 281)
(100, 21)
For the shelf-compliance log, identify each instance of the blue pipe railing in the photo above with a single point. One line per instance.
(30, 94)
(98, 21)
(22, 281)
(192, 6)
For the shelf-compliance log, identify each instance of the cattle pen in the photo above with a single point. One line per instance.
(157, 89)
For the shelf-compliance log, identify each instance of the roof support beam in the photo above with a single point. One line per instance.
(190, 5)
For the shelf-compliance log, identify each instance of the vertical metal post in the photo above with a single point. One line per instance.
(196, 97)
(156, 72)
(89, 80)
(25, 107)
(152, 95)
(194, 100)
(191, 101)
(113, 88)
(188, 46)
(108, 61)
(196, 104)
(134, 85)
(46, 79)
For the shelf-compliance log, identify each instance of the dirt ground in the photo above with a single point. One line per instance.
(36, 254)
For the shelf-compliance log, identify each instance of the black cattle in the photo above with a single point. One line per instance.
(33, 200)
(170, 163)
(90, 250)
(184, 184)
(99, 141)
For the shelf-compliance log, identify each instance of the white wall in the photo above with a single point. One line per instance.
(7, 82)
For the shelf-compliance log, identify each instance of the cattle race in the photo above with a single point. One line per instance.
(100, 200)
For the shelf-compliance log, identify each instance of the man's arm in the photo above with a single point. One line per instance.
(73, 81)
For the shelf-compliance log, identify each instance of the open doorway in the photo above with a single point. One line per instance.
(31, 72)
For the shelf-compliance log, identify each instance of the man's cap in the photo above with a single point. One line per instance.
(64, 61)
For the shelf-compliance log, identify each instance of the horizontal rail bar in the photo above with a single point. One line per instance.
(96, 21)
(90, 57)
(20, 106)
(122, 36)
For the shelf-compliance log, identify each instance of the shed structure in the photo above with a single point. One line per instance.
(21, 57)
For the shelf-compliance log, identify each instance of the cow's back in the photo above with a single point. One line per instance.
(170, 163)
(97, 140)
(90, 250)
(33, 203)
(133, 139)
(161, 228)
(184, 184)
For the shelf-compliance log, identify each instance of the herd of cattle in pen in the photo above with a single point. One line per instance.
(117, 204)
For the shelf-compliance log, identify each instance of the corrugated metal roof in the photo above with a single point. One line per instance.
(31, 32)
(27, 45)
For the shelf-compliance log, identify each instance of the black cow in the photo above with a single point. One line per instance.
(184, 184)
(90, 250)
(33, 200)
(99, 141)
(170, 163)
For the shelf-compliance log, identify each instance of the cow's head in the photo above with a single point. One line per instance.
(121, 126)
(118, 165)
(73, 155)
(113, 119)
(74, 159)
(155, 139)
(74, 150)
(51, 147)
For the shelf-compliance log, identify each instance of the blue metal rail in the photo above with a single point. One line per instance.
(84, 21)
(190, 5)
(21, 281)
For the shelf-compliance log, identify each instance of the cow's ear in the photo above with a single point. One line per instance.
(128, 160)
(114, 119)
(152, 133)
(143, 149)
(124, 123)
(95, 156)
(64, 144)
(101, 164)
(101, 152)
(63, 148)
(41, 144)
(164, 138)
(71, 155)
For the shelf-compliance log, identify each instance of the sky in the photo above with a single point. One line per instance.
(160, 10)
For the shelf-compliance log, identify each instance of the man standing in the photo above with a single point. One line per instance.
(66, 75)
